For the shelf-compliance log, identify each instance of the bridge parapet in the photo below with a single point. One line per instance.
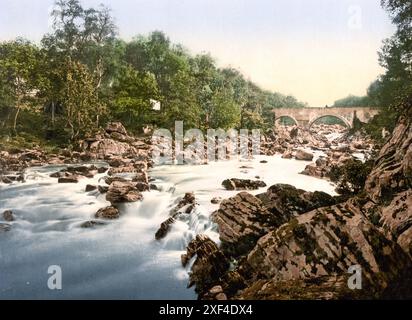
(307, 116)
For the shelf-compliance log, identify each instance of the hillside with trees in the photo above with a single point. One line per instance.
(82, 75)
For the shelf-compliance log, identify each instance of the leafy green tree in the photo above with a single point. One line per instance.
(351, 176)
(225, 113)
(251, 120)
(181, 103)
(85, 35)
(18, 78)
(132, 94)
(80, 100)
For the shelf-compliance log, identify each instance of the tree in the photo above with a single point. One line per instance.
(351, 176)
(85, 35)
(251, 120)
(132, 93)
(225, 113)
(396, 53)
(18, 63)
(79, 98)
(181, 102)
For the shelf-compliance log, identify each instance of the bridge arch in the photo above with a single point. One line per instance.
(286, 116)
(306, 116)
(343, 119)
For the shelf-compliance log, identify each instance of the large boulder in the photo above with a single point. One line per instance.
(327, 242)
(241, 221)
(242, 184)
(108, 147)
(164, 228)
(116, 127)
(8, 216)
(393, 170)
(184, 205)
(286, 202)
(244, 218)
(69, 179)
(396, 220)
(210, 264)
(303, 155)
(109, 213)
(123, 192)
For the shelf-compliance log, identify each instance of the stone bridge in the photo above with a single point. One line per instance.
(307, 116)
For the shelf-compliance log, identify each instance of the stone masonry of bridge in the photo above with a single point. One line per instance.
(307, 116)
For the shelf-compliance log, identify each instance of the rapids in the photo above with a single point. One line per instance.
(121, 260)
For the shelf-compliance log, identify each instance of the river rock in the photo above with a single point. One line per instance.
(102, 170)
(216, 200)
(209, 266)
(164, 228)
(123, 192)
(90, 188)
(241, 221)
(119, 170)
(109, 213)
(4, 227)
(141, 177)
(116, 127)
(242, 184)
(108, 147)
(103, 189)
(59, 174)
(69, 179)
(288, 154)
(286, 202)
(118, 162)
(19, 177)
(8, 216)
(303, 155)
(92, 224)
(110, 180)
(183, 206)
(86, 171)
(6, 180)
(70, 172)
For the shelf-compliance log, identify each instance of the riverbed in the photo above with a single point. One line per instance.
(120, 260)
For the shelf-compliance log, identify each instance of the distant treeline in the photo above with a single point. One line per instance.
(372, 99)
(82, 75)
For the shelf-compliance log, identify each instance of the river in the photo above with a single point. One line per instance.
(121, 260)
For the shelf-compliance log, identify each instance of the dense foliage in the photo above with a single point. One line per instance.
(82, 75)
(350, 178)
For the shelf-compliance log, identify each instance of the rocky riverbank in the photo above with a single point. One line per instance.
(290, 244)
(337, 145)
(127, 161)
(283, 243)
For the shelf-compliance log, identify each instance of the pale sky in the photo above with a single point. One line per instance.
(317, 50)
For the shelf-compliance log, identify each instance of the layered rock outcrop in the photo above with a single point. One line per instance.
(303, 245)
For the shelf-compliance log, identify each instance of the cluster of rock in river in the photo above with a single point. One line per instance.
(284, 243)
(124, 154)
(296, 143)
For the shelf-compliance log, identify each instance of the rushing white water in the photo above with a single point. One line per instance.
(121, 260)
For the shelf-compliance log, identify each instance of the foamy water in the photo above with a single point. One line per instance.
(121, 260)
